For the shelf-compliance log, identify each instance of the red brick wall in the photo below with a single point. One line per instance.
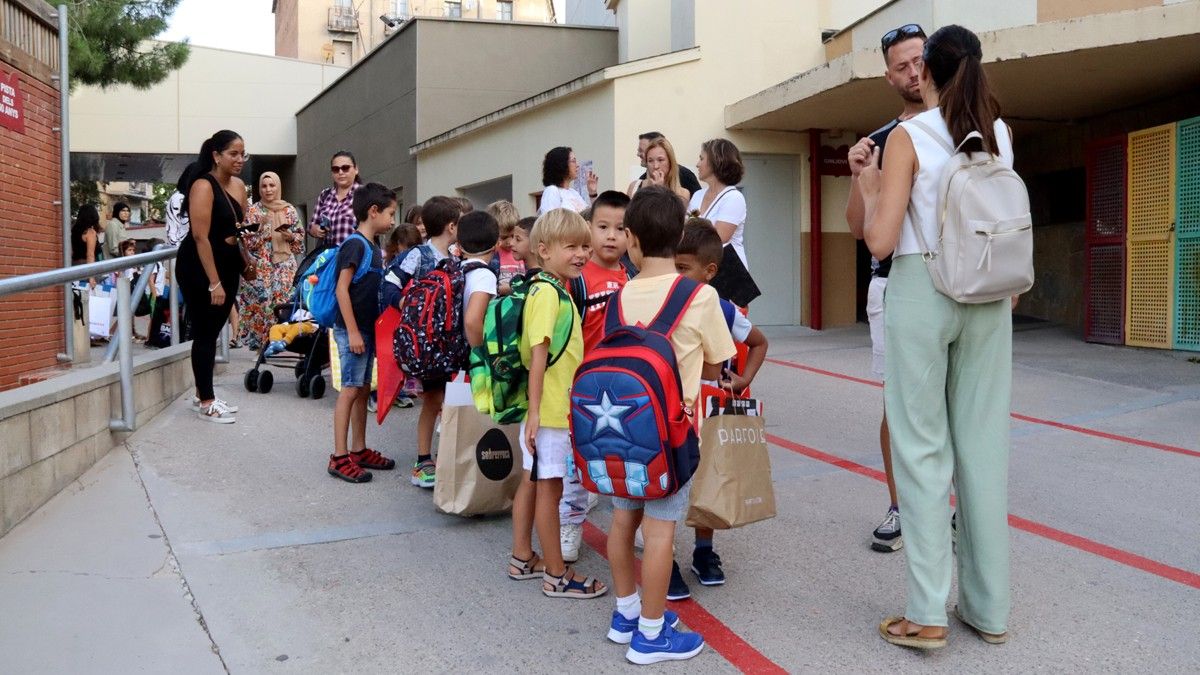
(31, 329)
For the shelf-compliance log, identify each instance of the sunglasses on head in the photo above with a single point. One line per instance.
(342, 168)
(908, 30)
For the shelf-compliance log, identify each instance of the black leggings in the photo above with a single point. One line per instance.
(207, 320)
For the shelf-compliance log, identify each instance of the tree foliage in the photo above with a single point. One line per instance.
(108, 42)
(84, 192)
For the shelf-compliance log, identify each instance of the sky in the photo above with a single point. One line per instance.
(240, 25)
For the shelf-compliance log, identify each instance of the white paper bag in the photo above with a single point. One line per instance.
(100, 316)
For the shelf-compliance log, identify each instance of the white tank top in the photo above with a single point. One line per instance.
(932, 157)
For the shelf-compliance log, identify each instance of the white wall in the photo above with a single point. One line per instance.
(588, 13)
(253, 94)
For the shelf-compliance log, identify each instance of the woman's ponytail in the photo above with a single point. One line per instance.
(217, 143)
(954, 57)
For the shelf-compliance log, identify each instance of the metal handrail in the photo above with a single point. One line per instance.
(66, 275)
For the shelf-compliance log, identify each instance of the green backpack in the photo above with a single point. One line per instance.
(499, 381)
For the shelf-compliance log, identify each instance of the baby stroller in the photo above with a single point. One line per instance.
(306, 354)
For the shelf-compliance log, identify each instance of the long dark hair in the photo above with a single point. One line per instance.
(218, 143)
(87, 218)
(556, 166)
(954, 57)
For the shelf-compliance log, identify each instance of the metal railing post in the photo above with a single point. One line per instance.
(128, 419)
(64, 138)
(176, 319)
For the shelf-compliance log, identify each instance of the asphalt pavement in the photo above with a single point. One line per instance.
(204, 548)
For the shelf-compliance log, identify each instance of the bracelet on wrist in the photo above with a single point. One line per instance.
(214, 287)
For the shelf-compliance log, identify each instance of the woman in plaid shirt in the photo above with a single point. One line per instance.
(333, 220)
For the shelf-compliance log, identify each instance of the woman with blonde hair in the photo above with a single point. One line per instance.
(273, 248)
(661, 169)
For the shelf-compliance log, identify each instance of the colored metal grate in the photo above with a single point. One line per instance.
(1187, 229)
(1187, 295)
(1105, 295)
(1151, 251)
(1106, 190)
(1104, 291)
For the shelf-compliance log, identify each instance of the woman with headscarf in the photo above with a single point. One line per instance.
(116, 232)
(273, 248)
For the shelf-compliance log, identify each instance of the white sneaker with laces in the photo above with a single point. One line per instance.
(217, 412)
(228, 406)
(571, 538)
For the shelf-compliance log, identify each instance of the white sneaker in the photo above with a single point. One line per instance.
(571, 537)
(217, 412)
(228, 406)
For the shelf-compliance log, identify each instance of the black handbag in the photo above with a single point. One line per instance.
(733, 281)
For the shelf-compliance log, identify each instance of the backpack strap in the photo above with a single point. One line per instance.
(730, 312)
(563, 296)
(950, 149)
(579, 293)
(364, 265)
(682, 292)
(926, 252)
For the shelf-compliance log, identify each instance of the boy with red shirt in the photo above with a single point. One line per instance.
(603, 275)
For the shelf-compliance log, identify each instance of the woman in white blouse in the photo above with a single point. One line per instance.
(720, 169)
(559, 170)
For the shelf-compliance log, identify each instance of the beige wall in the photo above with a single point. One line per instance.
(516, 147)
(302, 26)
(253, 94)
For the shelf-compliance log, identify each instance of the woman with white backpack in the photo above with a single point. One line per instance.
(950, 209)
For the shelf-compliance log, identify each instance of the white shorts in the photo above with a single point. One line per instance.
(878, 327)
(553, 449)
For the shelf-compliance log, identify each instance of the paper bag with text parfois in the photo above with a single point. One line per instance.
(732, 487)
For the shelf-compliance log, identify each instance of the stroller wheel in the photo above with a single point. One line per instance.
(302, 387)
(317, 386)
(265, 381)
(251, 380)
(300, 369)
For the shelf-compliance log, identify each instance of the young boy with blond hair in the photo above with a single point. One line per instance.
(654, 221)
(506, 265)
(550, 325)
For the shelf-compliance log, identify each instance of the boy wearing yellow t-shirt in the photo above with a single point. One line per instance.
(550, 325)
(701, 341)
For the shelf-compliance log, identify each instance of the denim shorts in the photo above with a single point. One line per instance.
(670, 508)
(356, 368)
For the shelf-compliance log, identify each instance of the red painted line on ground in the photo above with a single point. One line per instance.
(1017, 416)
(1116, 555)
(717, 635)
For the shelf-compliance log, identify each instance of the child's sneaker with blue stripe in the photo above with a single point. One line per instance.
(621, 630)
(670, 645)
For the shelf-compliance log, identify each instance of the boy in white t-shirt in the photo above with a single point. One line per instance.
(478, 234)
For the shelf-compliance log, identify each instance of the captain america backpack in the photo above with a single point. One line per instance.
(633, 436)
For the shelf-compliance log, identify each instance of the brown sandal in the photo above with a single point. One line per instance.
(521, 570)
(909, 638)
(990, 638)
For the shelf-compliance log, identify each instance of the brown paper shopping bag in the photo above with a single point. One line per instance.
(478, 464)
(732, 486)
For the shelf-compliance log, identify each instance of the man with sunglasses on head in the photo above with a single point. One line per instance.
(902, 52)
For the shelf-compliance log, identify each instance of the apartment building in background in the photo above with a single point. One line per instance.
(341, 32)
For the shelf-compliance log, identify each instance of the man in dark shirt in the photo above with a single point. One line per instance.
(902, 54)
(686, 178)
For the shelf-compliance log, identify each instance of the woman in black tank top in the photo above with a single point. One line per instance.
(210, 265)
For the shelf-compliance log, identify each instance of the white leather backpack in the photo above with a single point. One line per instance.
(985, 231)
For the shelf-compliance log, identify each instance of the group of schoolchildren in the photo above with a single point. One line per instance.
(640, 252)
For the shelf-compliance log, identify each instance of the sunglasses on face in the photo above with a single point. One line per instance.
(908, 30)
(343, 168)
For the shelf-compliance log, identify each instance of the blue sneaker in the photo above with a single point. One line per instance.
(621, 630)
(670, 645)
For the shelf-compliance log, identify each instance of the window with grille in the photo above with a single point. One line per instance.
(504, 11)
(454, 10)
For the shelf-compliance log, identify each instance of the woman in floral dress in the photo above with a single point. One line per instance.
(280, 237)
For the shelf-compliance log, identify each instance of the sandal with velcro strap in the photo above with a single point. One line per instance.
(533, 568)
(567, 586)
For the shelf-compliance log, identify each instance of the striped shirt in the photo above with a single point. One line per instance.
(337, 217)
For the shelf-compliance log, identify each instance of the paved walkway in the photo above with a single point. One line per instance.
(197, 548)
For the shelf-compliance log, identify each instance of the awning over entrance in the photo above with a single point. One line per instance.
(1051, 72)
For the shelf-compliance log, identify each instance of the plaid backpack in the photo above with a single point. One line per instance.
(498, 379)
(429, 342)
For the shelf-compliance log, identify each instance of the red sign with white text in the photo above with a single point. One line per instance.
(12, 105)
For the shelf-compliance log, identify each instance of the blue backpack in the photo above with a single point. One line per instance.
(320, 295)
(633, 435)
